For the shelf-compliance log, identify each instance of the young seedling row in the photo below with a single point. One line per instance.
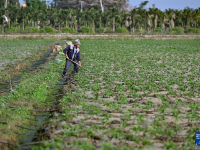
(16, 50)
(141, 94)
(131, 94)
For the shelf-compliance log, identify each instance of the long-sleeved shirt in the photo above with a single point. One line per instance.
(69, 50)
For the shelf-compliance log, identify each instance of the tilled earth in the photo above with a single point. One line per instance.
(145, 98)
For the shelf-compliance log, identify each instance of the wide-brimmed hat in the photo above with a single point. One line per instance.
(77, 42)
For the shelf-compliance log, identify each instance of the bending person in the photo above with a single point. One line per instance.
(72, 52)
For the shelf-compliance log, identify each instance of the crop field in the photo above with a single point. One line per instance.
(14, 50)
(131, 95)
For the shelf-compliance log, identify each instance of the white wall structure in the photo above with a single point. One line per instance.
(101, 6)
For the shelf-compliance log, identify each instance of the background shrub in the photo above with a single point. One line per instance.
(121, 30)
(101, 30)
(192, 30)
(68, 30)
(32, 30)
(177, 30)
(138, 31)
(86, 30)
(42, 31)
(108, 30)
(49, 29)
(158, 30)
(9, 30)
(57, 31)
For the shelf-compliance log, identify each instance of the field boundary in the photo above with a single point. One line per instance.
(100, 36)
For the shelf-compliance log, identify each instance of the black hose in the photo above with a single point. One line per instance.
(30, 119)
(44, 110)
(28, 134)
(24, 128)
(8, 143)
(33, 143)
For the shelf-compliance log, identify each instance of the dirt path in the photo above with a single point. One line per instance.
(100, 36)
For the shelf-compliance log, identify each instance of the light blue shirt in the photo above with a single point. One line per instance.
(73, 54)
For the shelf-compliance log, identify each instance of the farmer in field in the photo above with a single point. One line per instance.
(72, 53)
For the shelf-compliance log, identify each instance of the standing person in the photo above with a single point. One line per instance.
(72, 52)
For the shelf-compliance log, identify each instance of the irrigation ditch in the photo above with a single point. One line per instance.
(39, 123)
(40, 131)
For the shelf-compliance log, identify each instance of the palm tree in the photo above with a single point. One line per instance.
(22, 13)
(162, 19)
(34, 15)
(2, 12)
(113, 14)
(196, 17)
(137, 18)
(171, 16)
(79, 16)
(187, 16)
(143, 19)
(42, 17)
(52, 16)
(123, 20)
(155, 12)
(99, 17)
(134, 14)
(89, 16)
(60, 15)
(179, 18)
(16, 15)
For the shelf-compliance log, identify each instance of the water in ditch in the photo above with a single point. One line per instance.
(26, 141)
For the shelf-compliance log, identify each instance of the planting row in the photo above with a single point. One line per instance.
(15, 50)
(130, 94)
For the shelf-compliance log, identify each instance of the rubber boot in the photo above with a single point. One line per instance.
(76, 70)
(63, 75)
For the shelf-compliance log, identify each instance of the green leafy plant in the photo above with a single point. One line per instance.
(68, 30)
(158, 30)
(87, 30)
(121, 30)
(192, 30)
(101, 30)
(49, 29)
(177, 30)
(32, 30)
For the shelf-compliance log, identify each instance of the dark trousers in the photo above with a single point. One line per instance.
(68, 64)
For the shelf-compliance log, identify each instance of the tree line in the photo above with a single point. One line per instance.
(37, 14)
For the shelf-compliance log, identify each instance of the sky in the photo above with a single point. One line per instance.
(164, 4)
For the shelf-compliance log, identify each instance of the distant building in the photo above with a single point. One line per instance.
(23, 5)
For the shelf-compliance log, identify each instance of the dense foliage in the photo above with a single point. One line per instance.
(141, 20)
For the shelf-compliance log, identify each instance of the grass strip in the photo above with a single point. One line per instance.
(26, 96)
